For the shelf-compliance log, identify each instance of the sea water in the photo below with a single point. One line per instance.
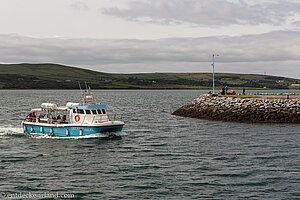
(156, 156)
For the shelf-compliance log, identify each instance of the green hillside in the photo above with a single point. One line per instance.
(54, 76)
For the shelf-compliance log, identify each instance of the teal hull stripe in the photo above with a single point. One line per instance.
(73, 131)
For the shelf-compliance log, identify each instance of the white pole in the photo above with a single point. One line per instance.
(213, 65)
(213, 73)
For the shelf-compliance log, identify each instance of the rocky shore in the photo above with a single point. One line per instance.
(253, 110)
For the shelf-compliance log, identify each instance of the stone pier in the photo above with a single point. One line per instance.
(252, 110)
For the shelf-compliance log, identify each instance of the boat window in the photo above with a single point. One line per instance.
(99, 111)
(74, 110)
(103, 111)
(94, 112)
(80, 111)
(87, 112)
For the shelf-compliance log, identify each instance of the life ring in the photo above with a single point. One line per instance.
(77, 118)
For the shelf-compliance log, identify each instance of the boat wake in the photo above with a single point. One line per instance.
(10, 130)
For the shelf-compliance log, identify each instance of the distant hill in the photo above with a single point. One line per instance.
(54, 76)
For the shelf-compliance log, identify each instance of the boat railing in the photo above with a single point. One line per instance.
(102, 118)
(46, 120)
(30, 119)
(116, 117)
(106, 118)
(83, 119)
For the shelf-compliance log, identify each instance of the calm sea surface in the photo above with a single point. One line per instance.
(157, 156)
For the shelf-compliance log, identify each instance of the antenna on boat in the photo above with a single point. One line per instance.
(88, 95)
(82, 93)
(80, 87)
(86, 86)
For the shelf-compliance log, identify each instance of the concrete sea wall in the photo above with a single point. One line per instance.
(253, 110)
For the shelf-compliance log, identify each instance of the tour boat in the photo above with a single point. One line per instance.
(87, 118)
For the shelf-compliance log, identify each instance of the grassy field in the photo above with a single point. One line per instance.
(54, 76)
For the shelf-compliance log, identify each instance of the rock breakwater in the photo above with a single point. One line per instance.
(253, 110)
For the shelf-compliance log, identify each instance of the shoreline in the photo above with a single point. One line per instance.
(148, 89)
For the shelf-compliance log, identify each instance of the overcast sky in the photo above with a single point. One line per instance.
(126, 36)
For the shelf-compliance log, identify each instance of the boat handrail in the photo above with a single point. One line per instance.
(30, 119)
(117, 116)
(103, 118)
(83, 119)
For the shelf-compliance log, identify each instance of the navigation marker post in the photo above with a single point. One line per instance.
(213, 65)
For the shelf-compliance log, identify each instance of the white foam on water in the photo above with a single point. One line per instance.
(10, 130)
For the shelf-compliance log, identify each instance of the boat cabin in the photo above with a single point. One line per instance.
(88, 114)
(72, 113)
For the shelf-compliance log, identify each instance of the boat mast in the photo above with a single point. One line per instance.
(87, 94)
(82, 94)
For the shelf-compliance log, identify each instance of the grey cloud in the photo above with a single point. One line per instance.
(207, 12)
(78, 5)
(297, 23)
(269, 52)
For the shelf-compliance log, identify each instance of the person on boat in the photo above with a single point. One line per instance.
(29, 117)
(58, 119)
(33, 116)
(49, 116)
